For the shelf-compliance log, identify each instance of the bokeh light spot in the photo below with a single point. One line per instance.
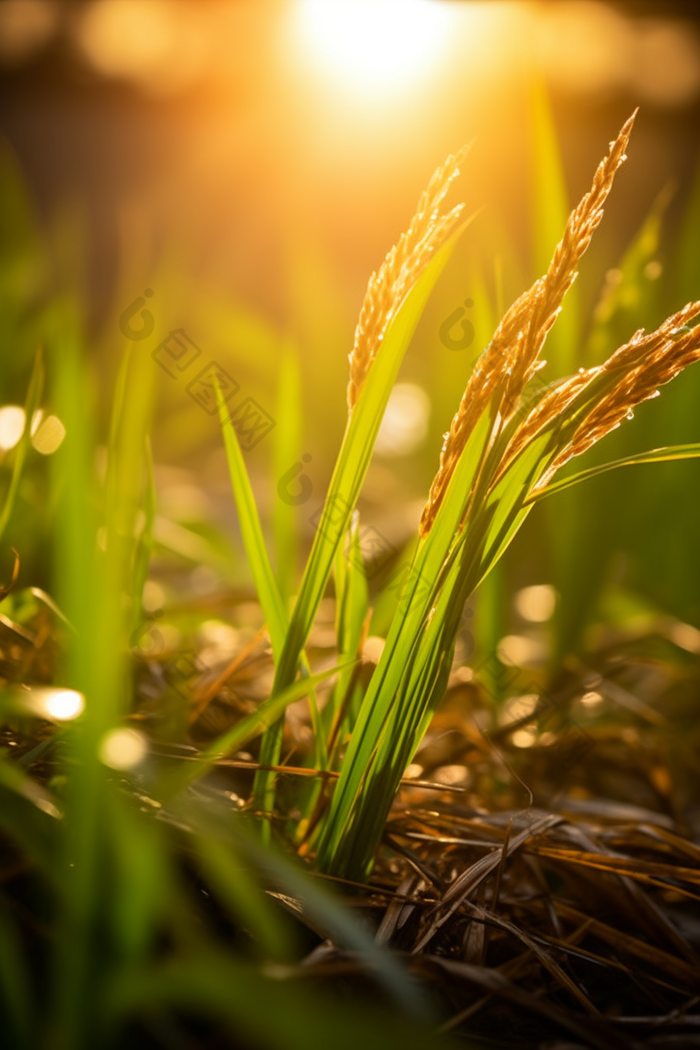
(49, 436)
(61, 705)
(123, 749)
(405, 424)
(537, 603)
(11, 426)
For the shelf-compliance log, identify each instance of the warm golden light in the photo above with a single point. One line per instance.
(536, 603)
(11, 426)
(374, 45)
(405, 423)
(123, 749)
(59, 705)
(48, 436)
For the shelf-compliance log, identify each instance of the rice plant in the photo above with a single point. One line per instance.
(510, 436)
(125, 943)
(105, 937)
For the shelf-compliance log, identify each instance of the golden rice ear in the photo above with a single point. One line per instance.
(548, 293)
(645, 363)
(400, 270)
(512, 356)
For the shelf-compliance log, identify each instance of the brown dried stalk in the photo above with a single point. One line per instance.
(512, 356)
(400, 270)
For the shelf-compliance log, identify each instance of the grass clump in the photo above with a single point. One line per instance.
(119, 855)
(509, 437)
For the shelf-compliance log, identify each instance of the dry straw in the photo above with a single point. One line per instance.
(401, 269)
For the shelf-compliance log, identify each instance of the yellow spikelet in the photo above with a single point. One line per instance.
(512, 356)
(400, 270)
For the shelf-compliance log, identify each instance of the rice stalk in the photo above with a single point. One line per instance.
(392, 307)
(400, 270)
(503, 447)
(512, 357)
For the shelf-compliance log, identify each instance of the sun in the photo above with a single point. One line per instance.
(373, 46)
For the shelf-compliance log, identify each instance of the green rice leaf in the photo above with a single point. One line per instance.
(287, 453)
(16, 997)
(252, 534)
(655, 455)
(246, 730)
(346, 482)
(31, 405)
(550, 211)
(239, 889)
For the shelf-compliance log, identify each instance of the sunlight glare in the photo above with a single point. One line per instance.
(405, 423)
(123, 749)
(374, 45)
(11, 426)
(60, 705)
(536, 603)
(48, 436)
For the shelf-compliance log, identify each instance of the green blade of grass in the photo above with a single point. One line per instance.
(18, 1010)
(252, 534)
(352, 604)
(94, 583)
(286, 452)
(414, 664)
(550, 210)
(416, 601)
(142, 895)
(348, 476)
(629, 298)
(246, 730)
(267, 1011)
(32, 402)
(240, 890)
(316, 901)
(144, 547)
(256, 550)
(655, 455)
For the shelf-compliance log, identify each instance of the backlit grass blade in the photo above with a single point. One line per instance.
(252, 534)
(246, 730)
(550, 209)
(346, 482)
(655, 455)
(412, 671)
(90, 593)
(31, 405)
(287, 453)
(18, 1010)
(352, 605)
(488, 624)
(317, 903)
(549, 213)
(421, 588)
(630, 295)
(256, 550)
(142, 897)
(200, 985)
(240, 891)
(144, 546)
(115, 425)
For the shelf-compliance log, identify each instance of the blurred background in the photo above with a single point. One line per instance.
(250, 163)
